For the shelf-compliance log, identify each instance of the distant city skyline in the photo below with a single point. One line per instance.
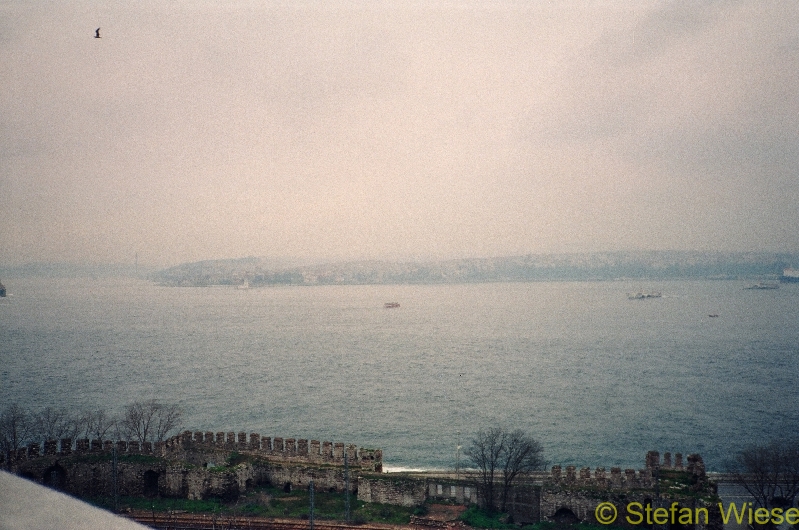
(399, 131)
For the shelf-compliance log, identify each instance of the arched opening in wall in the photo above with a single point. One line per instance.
(565, 516)
(55, 477)
(249, 484)
(150, 486)
(287, 487)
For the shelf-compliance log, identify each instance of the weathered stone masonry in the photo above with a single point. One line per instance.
(569, 495)
(192, 465)
(225, 465)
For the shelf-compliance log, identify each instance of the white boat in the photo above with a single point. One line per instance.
(790, 275)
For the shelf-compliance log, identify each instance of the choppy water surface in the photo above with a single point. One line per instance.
(598, 378)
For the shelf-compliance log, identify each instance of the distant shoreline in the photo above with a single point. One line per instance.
(601, 266)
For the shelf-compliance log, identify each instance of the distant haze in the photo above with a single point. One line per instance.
(395, 130)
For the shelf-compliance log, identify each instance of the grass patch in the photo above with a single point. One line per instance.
(547, 525)
(477, 518)
(160, 504)
(236, 458)
(275, 502)
(268, 501)
(384, 513)
(140, 459)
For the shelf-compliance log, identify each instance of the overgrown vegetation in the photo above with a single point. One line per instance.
(159, 504)
(235, 458)
(478, 518)
(272, 502)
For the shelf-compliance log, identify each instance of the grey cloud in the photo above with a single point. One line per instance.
(210, 130)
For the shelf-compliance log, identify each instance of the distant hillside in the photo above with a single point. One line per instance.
(533, 267)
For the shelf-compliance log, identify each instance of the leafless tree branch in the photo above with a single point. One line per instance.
(150, 421)
(770, 472)
(54, 424)
(498, 451)
(15, 428)
(97, 424)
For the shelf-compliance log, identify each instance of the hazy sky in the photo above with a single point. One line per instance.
(214, 129)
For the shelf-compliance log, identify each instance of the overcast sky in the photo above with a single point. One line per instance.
(395, 130)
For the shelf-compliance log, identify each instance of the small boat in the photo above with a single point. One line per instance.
(640, 295)
(790, 275)
(391, 305)
(763, 285)
(714, 315)
(2, 290)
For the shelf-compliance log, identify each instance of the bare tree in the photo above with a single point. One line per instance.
(770, 473)
(97, 424)
(55, 424)
(496, 452)
(150, 421)
(521, 455)
(15, 428)
(485, 452)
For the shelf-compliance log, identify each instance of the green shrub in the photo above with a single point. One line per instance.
(478, 518)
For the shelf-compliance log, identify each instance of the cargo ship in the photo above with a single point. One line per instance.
(790, 275)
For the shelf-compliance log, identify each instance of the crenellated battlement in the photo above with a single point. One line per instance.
(280, 449)
(268, 448)
(617, 478)
(600, 478)
(66, 447)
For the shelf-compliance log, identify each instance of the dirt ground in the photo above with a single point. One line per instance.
(444, 512)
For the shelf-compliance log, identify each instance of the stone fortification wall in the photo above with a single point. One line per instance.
(66, 448)
(301, 451)
(95, 478)
(627, 479)
(398, 491)
(457, 491)
(191, 465)
(574, 495)
(600, 478)
(299, 476)
(225, 465)
(200, 448)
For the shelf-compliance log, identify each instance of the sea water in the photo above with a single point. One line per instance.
(598, 378)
